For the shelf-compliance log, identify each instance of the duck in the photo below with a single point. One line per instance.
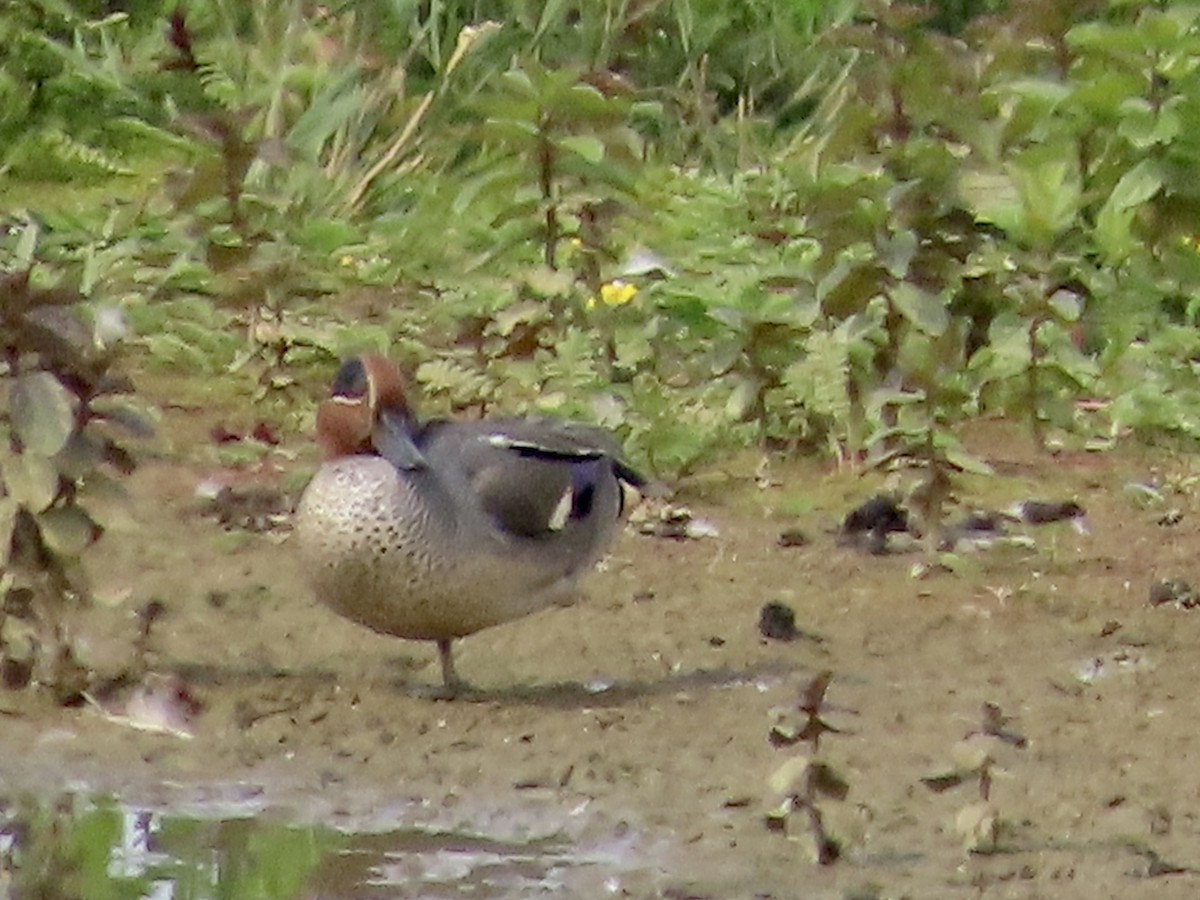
(435, 530)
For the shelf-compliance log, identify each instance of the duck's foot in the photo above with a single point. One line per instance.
(459, 691)
(452, 686)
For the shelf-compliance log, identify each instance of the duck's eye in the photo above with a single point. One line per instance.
(351, 380)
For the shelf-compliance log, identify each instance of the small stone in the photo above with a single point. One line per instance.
(777, 622)
(793, 537)
(1173, 590)
(1170, 517)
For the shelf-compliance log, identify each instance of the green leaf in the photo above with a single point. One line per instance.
(549, 282)
(9, 507)
(43, 413)
(27, 245)
(897, 252)
(1145, 125)
(1115, 220)
(957, 455)
(67, 530)
(552, 18)
(992, 196)
(323, 235)
(1051, 189)
(83, 453)
(1137, 185)
(1035, 198)
(1047, 92)
(31, 480)
(519, 83)
(337, 103)
(106, 502)
(633, 347)
(590, 148)
(1067, 305)
(742, 399)
(583, 105)
(924, 309)
(646, 109)
(520, 313)
(124, 414)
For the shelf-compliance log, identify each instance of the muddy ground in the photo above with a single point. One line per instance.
(636, 723)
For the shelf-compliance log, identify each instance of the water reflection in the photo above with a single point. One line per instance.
(79, 847)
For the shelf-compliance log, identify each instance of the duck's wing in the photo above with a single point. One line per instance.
(564, 441)
(533, 478)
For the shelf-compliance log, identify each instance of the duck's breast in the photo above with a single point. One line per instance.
(397, 553)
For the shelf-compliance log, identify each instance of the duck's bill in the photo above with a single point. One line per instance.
(394, 442)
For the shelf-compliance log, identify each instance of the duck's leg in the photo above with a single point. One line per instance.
(451, 683)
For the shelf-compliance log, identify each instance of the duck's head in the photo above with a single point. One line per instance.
(367, 391)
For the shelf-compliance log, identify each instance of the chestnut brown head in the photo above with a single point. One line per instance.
(364, 387)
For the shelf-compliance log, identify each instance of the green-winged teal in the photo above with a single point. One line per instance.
(435, 530)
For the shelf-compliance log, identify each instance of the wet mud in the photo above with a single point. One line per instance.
(626, 739)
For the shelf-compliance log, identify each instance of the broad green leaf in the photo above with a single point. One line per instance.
(633, 347)
(324, 235)
(583, 105)
(106, 502)
(886, 396)
(1051, 189)
(647, 109)
(848, 288)
(739, 403)
(549, 282)
(82, 454)
(1050, 93)
(31, 480)
(590, 148)
(791, 777)
(828, 782)
(92, 270)
(1137, 185)
(1145, 125)
(897, 252)
(494, 178)
(126, 415)
(9, 507)
(924, 309)
(26, 246)
(338, 102)
(1115, 220)
(957, 455)
(67, 530)
(519, 83)
(1105, 38)
(993, 197)
(552, 17)
(519, 313)
(513, 129)
(1067, 305)
(43, 413)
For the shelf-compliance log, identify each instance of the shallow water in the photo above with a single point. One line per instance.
(102, 846)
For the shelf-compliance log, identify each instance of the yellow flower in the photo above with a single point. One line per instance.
(617, 293)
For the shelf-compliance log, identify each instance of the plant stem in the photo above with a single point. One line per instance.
(1035, 422)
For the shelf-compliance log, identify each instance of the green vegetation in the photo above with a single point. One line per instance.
(76, 848)
(843, 226)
